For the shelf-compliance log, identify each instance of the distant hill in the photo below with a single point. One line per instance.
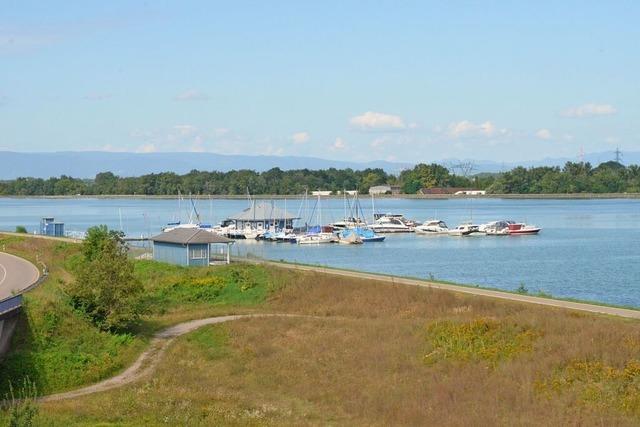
(488, 166)
(86, 164)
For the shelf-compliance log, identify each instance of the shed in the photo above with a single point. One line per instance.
(380, 189)
(50, 227)
(188, 246)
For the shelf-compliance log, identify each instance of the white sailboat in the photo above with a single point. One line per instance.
(316, 235)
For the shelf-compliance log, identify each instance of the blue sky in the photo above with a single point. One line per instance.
(405, 81)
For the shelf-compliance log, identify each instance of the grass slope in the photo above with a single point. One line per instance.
(366, 361)
(58, 349)
(376, 354)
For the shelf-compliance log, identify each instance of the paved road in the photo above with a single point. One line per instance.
(16, 274)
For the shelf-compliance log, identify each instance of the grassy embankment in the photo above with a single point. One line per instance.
(59, 349)
(378, 354)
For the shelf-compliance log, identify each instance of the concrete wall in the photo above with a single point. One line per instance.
(7, 327)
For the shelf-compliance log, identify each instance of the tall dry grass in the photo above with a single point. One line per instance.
(363, 364)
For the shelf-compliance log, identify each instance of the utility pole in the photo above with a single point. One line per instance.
(581, 155)
(618, 155)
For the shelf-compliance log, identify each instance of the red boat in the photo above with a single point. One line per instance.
(521, 228)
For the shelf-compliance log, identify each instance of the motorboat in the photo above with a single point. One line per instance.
(463, 230)
(400, 217)
(391, 224)
(285, 236)
(432, 227)
(519, 228)
(496, 228)
(349, 222)
(316, 239)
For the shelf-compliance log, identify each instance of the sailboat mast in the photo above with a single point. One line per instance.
(319, 213)
(373, 209)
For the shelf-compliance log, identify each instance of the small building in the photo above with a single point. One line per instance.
(321, 193)
(263, 216)
(455, 191)
(188, 246)
(470, 193)
(380, 189)
(395, 189)
(49, 227)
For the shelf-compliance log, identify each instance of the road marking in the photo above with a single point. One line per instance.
(4, 275)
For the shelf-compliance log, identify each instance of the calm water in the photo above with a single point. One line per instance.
(588, 249)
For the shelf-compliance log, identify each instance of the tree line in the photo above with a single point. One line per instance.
(573, 177)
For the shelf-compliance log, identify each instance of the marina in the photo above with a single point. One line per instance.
(587, 249)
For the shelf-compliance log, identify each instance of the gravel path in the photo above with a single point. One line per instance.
(148, 361)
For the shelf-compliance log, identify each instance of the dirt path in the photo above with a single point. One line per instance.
(149, 359)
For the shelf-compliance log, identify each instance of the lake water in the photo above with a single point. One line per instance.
(588, 249)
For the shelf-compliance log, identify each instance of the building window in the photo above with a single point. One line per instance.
(198, 253)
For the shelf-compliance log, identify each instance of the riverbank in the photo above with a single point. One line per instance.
(591, 307)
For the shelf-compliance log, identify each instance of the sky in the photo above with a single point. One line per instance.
(401, 81)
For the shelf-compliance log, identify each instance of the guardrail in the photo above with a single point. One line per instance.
(13, 303)
(10, 304)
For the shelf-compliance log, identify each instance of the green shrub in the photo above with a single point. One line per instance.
(203, 289)
(522, 289)
(597, 385)
(21, 229)
(477, 340)
(106, 288)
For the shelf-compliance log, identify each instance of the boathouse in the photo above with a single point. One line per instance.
(190, 247)
(263, 215)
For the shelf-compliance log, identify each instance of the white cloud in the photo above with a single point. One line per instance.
(588, 110)
(147, 148)
(300, 137)
(544, 134)
(465, 128)
(611, 140)
(197, 146)
(185, 130)
(372, 121)
(191, 95)
(378, 142)
(338, 144)
(110, 148)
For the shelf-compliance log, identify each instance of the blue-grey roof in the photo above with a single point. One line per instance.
(262, 211)
(186, 236)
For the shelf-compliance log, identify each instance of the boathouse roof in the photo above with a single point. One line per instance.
(262, 212)
(186, 236)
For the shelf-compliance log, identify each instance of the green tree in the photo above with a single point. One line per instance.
(105, 287)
